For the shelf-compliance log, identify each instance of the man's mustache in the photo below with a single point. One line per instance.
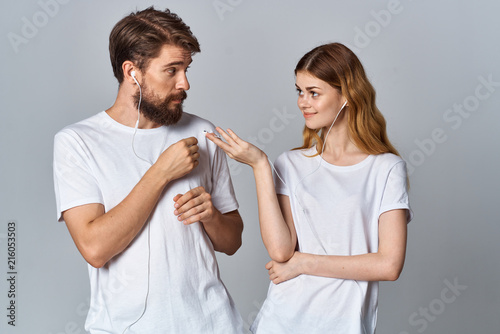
(181, 96)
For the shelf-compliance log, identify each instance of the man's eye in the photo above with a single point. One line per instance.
(171, 70)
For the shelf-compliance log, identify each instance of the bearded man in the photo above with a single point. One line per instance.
(145, 196)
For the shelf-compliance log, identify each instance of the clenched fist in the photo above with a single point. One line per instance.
(179, 159)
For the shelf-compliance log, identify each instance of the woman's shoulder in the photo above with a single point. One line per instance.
(388, 160)
(296, 155)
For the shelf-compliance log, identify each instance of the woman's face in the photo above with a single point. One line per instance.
(318, 101)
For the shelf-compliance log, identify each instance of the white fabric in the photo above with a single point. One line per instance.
(343, 205)
(94, 163)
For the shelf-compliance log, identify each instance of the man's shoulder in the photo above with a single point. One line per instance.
(194, 123)
(80, 129)
(91, 122)
(194, 119)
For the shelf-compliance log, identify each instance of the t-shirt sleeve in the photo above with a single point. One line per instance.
(74, 183)
(395, 194)
(223, 197)
(280, 176)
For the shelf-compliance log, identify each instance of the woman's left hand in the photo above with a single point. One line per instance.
(284, 271)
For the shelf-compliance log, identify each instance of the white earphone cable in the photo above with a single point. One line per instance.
(148, 220)
(138, 118)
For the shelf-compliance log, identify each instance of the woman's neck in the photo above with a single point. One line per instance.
(339, 149)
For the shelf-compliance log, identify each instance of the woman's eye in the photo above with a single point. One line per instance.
(314, 94)
(300, 92)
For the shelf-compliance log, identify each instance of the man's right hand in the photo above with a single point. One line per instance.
(179, 159)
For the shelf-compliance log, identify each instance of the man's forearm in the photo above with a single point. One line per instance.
(225, 232)
(107, 234)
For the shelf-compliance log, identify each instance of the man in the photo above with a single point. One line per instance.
(145, 196)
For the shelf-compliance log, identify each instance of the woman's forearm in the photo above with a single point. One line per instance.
(365, 267)
(279, 236)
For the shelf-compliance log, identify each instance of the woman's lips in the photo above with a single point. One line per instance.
(308, 115)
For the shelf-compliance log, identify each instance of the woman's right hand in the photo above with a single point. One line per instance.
(238, 149)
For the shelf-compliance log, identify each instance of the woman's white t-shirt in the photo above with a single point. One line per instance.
(336, 211)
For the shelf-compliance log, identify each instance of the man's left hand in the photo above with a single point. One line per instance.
(195, 205)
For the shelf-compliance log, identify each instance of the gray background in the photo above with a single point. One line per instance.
(426, 60)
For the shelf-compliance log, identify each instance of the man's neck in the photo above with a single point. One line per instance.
(124, 112)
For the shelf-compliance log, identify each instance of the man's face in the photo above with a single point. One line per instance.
(164, 85)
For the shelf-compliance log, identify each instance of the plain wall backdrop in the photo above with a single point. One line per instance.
(434, 65)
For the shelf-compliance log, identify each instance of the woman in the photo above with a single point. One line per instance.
(336, 223)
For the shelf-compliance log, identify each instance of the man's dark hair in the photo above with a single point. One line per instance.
(140, 36)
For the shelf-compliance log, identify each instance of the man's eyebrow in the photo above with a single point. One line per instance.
(177, 63)
(174, 63)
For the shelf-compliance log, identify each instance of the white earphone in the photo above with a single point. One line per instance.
(138, 107)
(133, 77)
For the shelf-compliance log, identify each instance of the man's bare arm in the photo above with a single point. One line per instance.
(101, 235)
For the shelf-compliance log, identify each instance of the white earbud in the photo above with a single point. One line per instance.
(345, 103)
(205, 133)
(133, 77)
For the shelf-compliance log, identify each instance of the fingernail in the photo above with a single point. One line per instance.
(176, 205)
(176, 212)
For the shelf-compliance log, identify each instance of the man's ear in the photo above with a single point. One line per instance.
(128, 68)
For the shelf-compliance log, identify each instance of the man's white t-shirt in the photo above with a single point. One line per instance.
(335, 211)
(94, 163)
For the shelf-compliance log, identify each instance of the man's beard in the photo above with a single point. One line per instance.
(160, 111)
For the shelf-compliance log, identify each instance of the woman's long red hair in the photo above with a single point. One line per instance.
(338, 66)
